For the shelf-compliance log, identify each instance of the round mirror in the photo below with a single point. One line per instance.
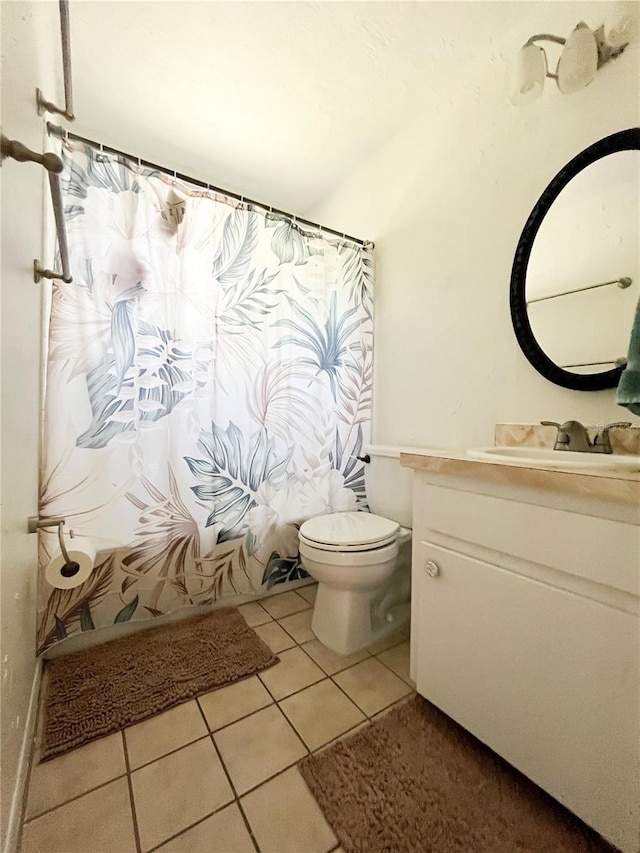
(576, 275)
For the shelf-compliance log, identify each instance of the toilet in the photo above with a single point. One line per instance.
(362, 562)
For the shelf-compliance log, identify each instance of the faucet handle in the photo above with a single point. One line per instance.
(562, 439)
(602, 441)
(571, 435)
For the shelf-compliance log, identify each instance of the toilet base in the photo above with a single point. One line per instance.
(347, 622)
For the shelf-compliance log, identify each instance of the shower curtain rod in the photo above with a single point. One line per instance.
(63, 133)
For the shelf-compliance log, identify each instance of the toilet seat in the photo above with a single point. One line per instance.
(349, 531)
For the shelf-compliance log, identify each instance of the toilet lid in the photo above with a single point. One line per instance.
(349, 531)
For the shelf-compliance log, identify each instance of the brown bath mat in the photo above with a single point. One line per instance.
(103, 689)
(416, 782)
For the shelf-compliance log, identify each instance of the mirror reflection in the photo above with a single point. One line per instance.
(583, 276)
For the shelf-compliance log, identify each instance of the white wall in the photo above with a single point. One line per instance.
(29, 57)
(445, 201)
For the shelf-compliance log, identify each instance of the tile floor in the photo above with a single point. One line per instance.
(217, 774)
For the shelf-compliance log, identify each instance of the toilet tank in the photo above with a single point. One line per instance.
(389, 486)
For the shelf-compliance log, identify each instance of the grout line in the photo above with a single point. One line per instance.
(277, 619)
(77, 797)
(187, 828)
(387, 708)
(192, 826)
(351, 665)
(243, 717)
(334, 740)
(302, 740)
(273, 698)
(236, 801)
(169, 752)
(330, 677)
(351, 698)
(272, 777)
(260, 624)
(397, 674)
(134, 816)
(264, 781)
(211, 733)
(295, 692)
(297, 642)
(392, 646)
(228, 775)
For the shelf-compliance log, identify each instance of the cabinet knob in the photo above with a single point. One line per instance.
(431, 569)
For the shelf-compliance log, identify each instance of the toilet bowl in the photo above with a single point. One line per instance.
(362, 564)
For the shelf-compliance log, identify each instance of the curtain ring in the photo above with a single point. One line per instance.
(139, 165)
(175, 178)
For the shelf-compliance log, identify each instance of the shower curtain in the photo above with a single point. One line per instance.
(208, 388)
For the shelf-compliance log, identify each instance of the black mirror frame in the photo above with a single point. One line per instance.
(624, 140)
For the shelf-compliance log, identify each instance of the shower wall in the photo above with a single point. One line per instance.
(30, 47)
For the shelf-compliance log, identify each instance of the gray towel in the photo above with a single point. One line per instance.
(629, 385)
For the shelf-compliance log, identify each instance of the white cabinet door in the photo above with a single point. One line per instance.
(545, 677)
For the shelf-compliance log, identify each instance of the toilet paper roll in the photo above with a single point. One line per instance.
(58, 574)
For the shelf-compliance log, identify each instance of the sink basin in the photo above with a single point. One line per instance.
(561, 459)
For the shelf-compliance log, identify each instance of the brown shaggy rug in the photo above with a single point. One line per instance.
(108, 687)
(414, 781)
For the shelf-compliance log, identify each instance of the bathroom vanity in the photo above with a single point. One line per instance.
(525, 622)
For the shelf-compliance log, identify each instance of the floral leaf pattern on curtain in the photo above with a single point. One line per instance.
(209, 381)
(115, 400)
(232, 474)
(327, 343)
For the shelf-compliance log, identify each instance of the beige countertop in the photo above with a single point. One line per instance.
(605, 483)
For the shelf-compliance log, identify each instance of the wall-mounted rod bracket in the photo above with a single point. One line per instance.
(53, 164)
(34, 524)
(17, 151)
(42, 104)
(40, 272)
(45, 106)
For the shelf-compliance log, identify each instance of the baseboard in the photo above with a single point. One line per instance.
(17, 801)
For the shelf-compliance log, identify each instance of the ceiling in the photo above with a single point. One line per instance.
(279, 101)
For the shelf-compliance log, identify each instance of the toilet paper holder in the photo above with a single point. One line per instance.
(34, 524)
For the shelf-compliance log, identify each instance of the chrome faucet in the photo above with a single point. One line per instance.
(572, 435)
(601, 443)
